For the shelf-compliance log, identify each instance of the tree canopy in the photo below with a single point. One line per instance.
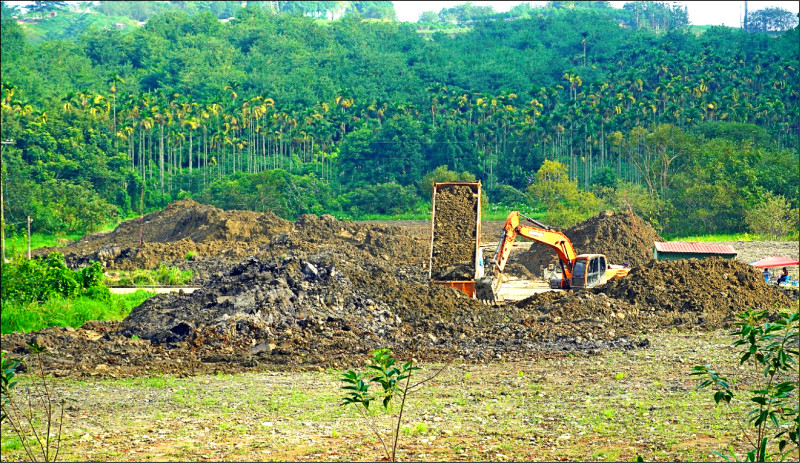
(277, 106)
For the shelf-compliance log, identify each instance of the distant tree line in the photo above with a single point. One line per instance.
(291, 113)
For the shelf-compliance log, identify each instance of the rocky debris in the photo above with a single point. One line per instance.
(454, 233)
(622, 237)
(791, 292)
(323, 292)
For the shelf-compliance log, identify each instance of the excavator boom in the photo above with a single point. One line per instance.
(540, 233)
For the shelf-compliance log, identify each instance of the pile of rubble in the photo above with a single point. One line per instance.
(322, 293)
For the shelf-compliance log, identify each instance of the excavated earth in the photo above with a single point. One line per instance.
(622, 237)
(169, 235)
(321, 292)
(454, 229)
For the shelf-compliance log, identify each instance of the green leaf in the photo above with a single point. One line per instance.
(762, 449)
(724, 457)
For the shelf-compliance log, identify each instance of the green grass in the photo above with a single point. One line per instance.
(163, 275)
(61, 312)
(562, 408)
(18, 244)
(726, 237)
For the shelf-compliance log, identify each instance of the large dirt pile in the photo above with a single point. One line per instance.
(454, 233)
(686, 294)
(169, 234)
(622, 237)
(321, 292)
(330, 308)
(222, 238)
(706, 292)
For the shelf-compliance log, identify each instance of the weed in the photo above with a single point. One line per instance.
(58, 311)
(381, 370)
(417, 430)
(771, 348)
(40, 444)
(172, 275)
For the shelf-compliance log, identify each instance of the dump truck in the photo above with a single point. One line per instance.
(456, 259)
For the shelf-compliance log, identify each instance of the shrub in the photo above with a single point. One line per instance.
(43, 278)
(772, 218)
(566, 204)
(385, 198)
(38, 429)
(142, 278)
(771, 348)
(390, 380)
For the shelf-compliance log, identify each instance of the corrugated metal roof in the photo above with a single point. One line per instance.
(693, 247)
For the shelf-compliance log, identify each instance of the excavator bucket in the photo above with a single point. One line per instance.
(456, 259)
(485, 289)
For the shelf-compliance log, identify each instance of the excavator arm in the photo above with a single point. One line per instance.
(487, 286)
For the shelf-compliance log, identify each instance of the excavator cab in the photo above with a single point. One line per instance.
(589, 271)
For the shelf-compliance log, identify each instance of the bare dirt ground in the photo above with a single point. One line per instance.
(610, 406)
(318, 292)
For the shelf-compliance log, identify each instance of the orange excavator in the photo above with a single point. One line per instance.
(577, 271)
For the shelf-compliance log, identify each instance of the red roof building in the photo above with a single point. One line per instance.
(687, 250)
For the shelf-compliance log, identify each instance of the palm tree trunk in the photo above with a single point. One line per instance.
(161, 158)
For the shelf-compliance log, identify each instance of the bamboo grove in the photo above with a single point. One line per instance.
(618, 114)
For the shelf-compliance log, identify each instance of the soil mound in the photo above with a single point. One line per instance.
(686, 294)
(583, 318)
(707, 292)
(169, 234)
(322, 292)
(622, 237)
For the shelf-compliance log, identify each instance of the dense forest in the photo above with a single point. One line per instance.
(314, 107)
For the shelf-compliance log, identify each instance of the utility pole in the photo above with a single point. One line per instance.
(29, 237)
(2, 202)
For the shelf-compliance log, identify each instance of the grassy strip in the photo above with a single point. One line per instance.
(717, 237)
(728, 237)
(63, 312)
(18, 244)
(163, 275)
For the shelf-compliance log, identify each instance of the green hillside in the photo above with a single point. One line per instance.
(562, 110)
